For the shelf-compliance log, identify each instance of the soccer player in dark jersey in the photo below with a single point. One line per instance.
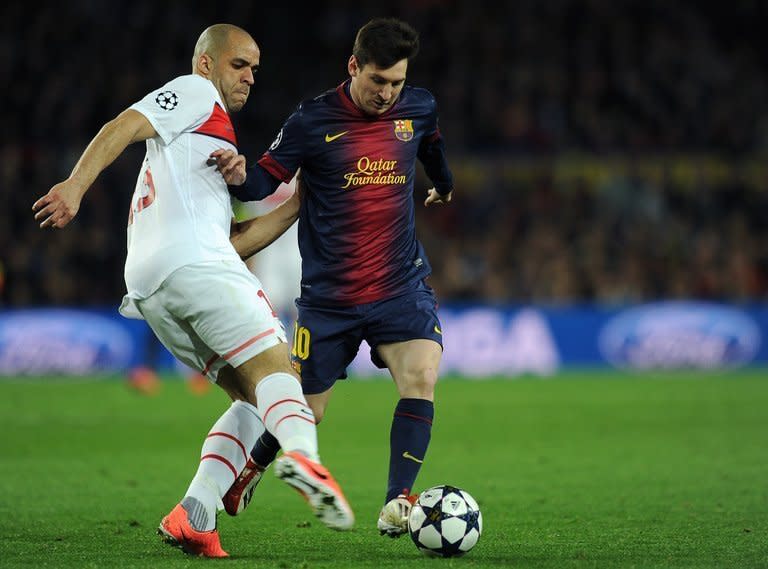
(363, 271)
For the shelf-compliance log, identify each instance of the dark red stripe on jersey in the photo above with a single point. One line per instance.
(409, 415)
(230, 437)
(220, 459)
(370, 268)
(278, 403)
(218, 125)
(275, 168)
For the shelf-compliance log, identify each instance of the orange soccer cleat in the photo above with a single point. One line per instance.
(313, 481)
(176, 530)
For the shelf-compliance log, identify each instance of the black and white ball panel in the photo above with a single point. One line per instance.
(445, 521)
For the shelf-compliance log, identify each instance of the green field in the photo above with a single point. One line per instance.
(581, 470)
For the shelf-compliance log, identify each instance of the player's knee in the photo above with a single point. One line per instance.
(229, 381)
(420, 382)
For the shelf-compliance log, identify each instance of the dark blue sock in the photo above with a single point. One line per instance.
(408, 442)
(265, 450)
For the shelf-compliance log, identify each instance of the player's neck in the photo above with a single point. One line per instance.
(353, 95)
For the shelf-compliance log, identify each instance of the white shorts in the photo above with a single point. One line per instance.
(211, 314)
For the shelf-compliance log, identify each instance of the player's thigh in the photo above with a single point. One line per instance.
(325, 341)
(405, 335)
(414, 366)
(240, 383)
(228, 380)
(272, 360)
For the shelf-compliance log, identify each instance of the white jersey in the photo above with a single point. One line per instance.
(181, 209)
(278, 267)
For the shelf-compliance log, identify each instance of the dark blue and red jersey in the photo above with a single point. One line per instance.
(356, 225)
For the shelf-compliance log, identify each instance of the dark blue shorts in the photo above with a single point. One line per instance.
(326, 339)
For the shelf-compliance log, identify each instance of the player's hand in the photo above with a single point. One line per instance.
(59, 206)
(434, 197)
(231, 166)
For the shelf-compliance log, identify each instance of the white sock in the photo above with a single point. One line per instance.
(286, 415)
(223, 456)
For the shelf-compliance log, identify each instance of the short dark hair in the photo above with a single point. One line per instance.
(384, 42)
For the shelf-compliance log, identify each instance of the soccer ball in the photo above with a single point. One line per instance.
(445, 521)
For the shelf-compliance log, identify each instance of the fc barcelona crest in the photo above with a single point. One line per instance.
(404, 130)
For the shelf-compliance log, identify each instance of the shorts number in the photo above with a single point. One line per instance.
(301, 338)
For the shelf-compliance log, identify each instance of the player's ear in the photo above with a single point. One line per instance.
(204, 65)
(352, 66)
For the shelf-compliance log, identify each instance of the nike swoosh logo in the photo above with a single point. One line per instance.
(409, 456)
(438, 330)
(331, 138)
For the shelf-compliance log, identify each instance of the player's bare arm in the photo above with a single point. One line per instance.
(60, 205)
(434, 197)
(231, 166)
(251, 236)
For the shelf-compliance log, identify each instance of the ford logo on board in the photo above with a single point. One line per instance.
(676, 335)
(61, 341)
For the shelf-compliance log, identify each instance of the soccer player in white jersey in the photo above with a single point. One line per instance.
(187, 280)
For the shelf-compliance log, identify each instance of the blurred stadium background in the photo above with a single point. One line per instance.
(610, 215)
(607, 155)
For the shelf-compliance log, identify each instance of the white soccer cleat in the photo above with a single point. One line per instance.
(313, 481)
(393, 519)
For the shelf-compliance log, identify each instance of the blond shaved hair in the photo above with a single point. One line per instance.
(213, 39)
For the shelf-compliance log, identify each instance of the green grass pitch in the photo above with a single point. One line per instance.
(581, 470)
